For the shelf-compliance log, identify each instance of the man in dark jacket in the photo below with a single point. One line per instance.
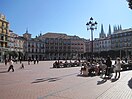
(108, 69)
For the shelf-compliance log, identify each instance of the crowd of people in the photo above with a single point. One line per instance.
(104, 68)
(35, 60)
(59, 64)
(90, 67)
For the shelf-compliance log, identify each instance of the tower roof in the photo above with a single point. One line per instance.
(109, 31)
(102, 34)
(102, 29)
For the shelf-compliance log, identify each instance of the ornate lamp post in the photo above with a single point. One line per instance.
(91, 26)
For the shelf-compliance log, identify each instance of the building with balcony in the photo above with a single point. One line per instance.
(13, 41)
(77, 47)
(103, 43)
(57, 46)
(15, 44)
(62, 46)
(121, 40)
(33, 47)
(4, 34)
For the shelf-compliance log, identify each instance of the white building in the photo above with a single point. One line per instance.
(33, 47)
(122, 41)
(103, 43)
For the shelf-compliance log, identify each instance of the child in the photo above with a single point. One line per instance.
(22, 67)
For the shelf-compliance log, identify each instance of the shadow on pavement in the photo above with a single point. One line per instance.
(3, 71)
(80, 75)
(46, 79)
(130, 83)
(101, 82)
(53, 78)
(113, 80)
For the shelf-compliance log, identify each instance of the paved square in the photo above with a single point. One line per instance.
(41, 81)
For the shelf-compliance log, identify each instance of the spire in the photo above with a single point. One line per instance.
(115, 28)
(109, 32)
(102, 29)
(102, 34)
(120, 27)
(26, 30)
(40, 33)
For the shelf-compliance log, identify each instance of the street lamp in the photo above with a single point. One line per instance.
(91, 25)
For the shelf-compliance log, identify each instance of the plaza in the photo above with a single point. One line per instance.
(41, 81)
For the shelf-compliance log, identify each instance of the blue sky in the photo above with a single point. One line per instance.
(65, 16)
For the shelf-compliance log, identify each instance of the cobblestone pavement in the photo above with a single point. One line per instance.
(41, 81)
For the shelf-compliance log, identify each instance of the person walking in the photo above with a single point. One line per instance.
(108, 69)
(117, 68)
(6, 61)
(34, 60)
(11, 66)
(29, 60)
(20, 60)
(37, 60)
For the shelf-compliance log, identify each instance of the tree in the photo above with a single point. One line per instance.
(20, 54)
(11, 54)
(130, 4)
(14, 54)
(6, 54)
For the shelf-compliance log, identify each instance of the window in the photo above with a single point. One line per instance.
(2, 37)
